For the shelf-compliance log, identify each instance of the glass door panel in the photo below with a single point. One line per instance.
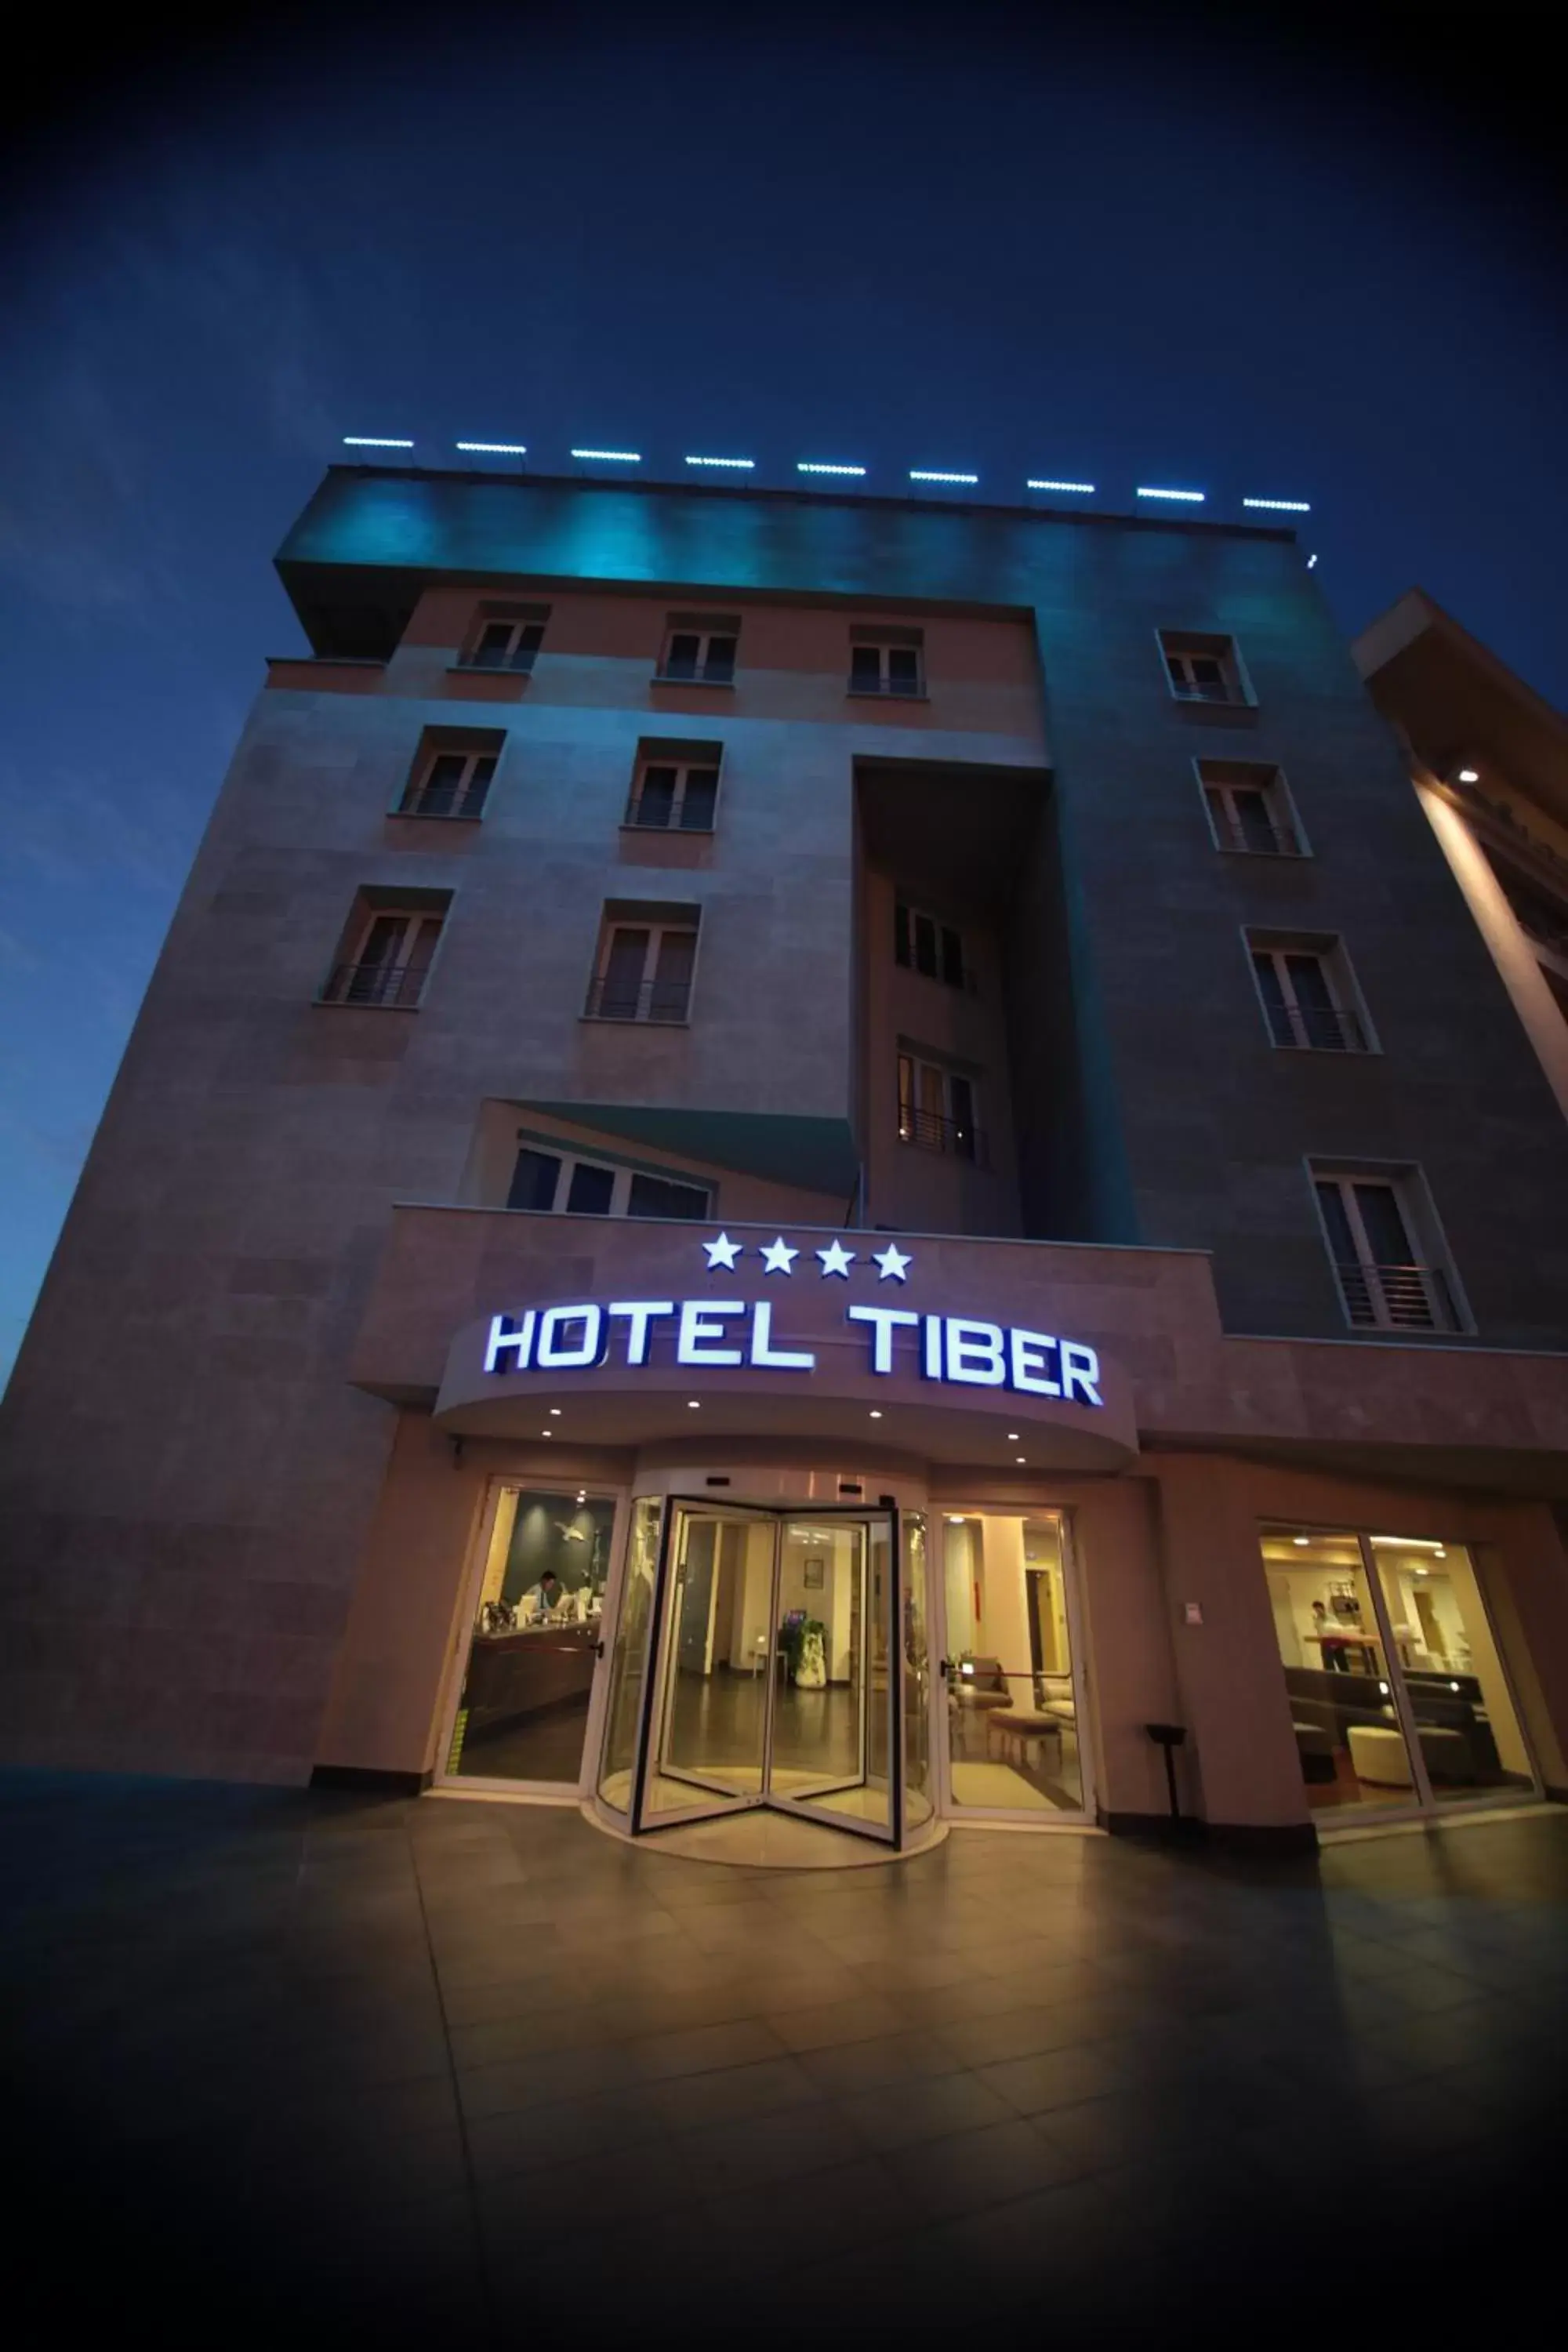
(1466, 1722)
(629, 1657)
(717, 1662)
(1013, 1736)
(528, 1681)
(832, 1705)
(918, 1802)
(1350, 1739)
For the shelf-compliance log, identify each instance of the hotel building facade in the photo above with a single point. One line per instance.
(804, 1156)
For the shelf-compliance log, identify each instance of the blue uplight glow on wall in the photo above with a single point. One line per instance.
(496, 448)
(1280, 506)
(741, 465)
(1083, 489)
(809, 465)
(611, 456)
(372, 441)
(916, 474)
(1194, 497)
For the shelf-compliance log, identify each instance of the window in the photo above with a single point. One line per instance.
(1371, 1223)
(507, 638)
(646, 960)
(936, 1109)
(451, 776)
(700, 649)
(388, 952)
(1249, 809)
(674, 787)
(886, 661)
(922, 944)
(1308, 995)
(559, 1181)
(1203, 668)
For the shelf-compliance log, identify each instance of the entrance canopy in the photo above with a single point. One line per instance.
(693, 1331)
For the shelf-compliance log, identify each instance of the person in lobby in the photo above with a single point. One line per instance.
(1330, 1640)
(539, 1601)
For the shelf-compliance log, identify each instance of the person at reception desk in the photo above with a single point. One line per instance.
(1331, 1642)
(538, 1604)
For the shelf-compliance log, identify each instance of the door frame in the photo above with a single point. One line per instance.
(722, 1804)
(494, 1784)
(949, 1807)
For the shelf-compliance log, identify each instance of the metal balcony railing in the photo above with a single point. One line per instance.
(520, 657)
(1397, 1297)
(648, 1000)
(887, 686)
(1213, 689)
(1263, 840)
(958, 1138)
(719, 669)
(445, 798)
(375, 983)
(1322, 1028)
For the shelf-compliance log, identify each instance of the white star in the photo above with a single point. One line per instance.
(777, 1256)
(723, 1252)
(837, 1259)
(893, 1261)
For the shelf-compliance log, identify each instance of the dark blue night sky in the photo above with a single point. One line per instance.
(1141, 256)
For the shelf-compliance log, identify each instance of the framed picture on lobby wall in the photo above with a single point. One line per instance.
(816, 1575)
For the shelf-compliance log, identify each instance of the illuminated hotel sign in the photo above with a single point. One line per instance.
(729, 1334)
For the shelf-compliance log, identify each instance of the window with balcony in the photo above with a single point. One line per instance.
(1308, 995)
(886, 662)
(506, 637)
(1201, 668)
(674, 787)
(1383, 1242)
(937, 1108)
(1249, 809)
(700, 649)
(645, 964)
(386, 952)
(451, 775)
(565, 1182)
(922, 944)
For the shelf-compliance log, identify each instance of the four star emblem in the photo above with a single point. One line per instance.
(778, 1256)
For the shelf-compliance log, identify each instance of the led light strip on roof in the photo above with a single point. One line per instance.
(1280, 506)
(917, 476)
(372, 441)
(1084, 489)
(496, 448)
(1195, 497)
(742, 464)
(807, 466)
(611, 456)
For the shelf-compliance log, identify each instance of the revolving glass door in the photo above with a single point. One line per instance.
(770, 1682)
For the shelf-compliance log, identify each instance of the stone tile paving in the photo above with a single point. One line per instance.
(280, 2061)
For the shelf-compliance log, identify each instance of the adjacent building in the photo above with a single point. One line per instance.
(841, 1156)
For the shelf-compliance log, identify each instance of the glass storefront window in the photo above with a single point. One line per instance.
(628, 1659)
(1381, 1636)
(1471, 1742)
(532, 1654)
(1012, 1698)
(1349, 1737)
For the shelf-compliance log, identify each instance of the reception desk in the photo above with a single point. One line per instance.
(514, 1675)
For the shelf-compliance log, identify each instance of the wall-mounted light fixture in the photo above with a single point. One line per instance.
(495, 448)
(372, 441)
(1190, 498)
(1079, 490)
